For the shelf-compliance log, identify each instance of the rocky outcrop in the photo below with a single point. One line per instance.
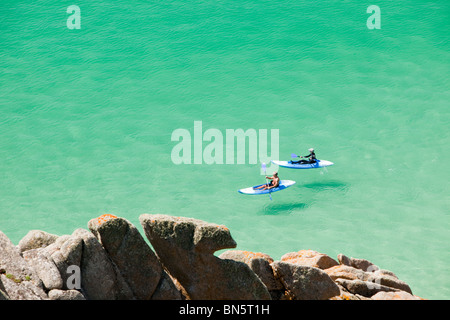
(260, 264)
(378, 277)
(309, 258)
(66, 252)
(397, 295)
(186, 248)
(56, 294)
(363, 288)
(346, 272)
(362, 264)
(113, 261)
(305, 282)
(36, 239)
(135, 260)
(100, 278)
(18, 281)
(45, 268)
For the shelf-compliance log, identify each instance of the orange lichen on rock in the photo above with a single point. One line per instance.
(249, 256)
(299, 254)
(309, 258)
(105, 217)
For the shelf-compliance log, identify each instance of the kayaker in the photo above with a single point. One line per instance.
(311, 156)
(272, 184)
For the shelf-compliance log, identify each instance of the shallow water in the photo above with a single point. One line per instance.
(87, 117)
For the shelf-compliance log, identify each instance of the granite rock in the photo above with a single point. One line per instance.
(186, 247)
(35, 239)
(18, 281)
(310, 258)
(305, 282)
(128, 250)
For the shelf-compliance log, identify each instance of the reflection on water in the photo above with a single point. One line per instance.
(274, 208)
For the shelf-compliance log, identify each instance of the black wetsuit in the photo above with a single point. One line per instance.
(311, 156)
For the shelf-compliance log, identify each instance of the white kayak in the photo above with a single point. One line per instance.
(317, 164)
(283, 185)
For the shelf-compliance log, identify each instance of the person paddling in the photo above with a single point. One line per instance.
(272, 184)
(311, 156)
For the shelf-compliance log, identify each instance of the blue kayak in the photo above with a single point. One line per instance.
(252, 191)
(317, 164)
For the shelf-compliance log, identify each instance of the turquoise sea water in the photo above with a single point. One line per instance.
(86, 118)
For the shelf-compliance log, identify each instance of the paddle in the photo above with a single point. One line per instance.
(293, 155)
(263, 166)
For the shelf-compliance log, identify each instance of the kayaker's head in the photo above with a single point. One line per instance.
(275, 174)
(311, 150)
